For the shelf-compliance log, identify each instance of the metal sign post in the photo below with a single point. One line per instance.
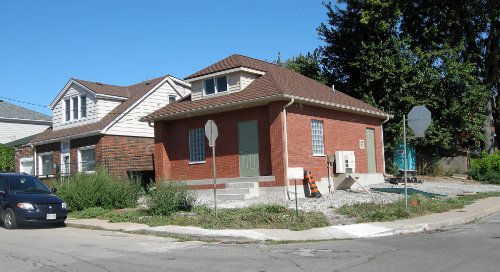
(419, 119)
(211, 132)
(295, 173)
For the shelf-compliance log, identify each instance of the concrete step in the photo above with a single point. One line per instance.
(242, 185)
(232, 197)
(243, 191)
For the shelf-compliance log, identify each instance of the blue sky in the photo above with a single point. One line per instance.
(45, 43)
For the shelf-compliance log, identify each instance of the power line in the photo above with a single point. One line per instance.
(19, 101)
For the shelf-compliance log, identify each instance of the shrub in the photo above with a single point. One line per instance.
(100, 189)
(89, 213)
(170, 197)
(486, 168)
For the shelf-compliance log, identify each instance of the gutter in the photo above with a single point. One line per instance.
(77, 136)
(382, 137)
(285, 142)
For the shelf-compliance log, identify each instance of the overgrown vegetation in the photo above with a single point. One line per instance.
(170, 197)
(90, 190)
(268, 216)
(486, 168)
(370, 212)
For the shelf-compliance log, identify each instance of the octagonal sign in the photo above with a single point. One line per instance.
(419, 119)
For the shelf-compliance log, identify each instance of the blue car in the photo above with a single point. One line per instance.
(24, 199)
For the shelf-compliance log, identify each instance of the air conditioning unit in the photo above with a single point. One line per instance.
(345, 162)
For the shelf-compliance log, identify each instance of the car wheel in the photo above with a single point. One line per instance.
(9, 219)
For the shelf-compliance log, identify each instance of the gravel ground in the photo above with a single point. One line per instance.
(327, 203)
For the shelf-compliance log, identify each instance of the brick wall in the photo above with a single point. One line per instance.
(172, 146)
(341, 131)
(122, 153)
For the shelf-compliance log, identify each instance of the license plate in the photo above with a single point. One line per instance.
(51, 216)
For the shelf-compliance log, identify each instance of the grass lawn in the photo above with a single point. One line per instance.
(268, 216)
(370, 212)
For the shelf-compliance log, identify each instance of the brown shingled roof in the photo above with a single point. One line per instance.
(106, 89)
(278, 83)
(135, 92)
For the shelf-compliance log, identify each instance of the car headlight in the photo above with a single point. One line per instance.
(25, 206)
(63, 205)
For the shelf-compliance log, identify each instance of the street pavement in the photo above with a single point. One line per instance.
(469, 247)
(469, 213)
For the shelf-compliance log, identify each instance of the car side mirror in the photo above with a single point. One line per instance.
(54, 190)
(2, 193)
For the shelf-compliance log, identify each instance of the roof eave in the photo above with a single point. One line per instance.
(65, 138)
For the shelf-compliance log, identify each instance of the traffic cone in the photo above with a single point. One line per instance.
(312, 185)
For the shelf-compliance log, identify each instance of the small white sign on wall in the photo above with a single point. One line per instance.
(361, 144)
(295, 173)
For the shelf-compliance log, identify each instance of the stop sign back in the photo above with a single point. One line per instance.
(419, 119)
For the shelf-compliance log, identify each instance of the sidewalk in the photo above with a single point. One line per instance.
(477, 210)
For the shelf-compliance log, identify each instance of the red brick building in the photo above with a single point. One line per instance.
(96, 125)
(269, 118)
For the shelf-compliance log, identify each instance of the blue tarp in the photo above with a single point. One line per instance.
(411, 158)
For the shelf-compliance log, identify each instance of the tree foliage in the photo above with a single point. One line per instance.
(375, 52)
(7, 158)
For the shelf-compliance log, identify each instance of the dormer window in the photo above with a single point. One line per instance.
(215, 85)
(75, 108)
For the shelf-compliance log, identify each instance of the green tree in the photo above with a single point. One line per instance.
(371, 58)
(307, 65)
(7, 158)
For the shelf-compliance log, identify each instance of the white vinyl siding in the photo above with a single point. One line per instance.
(215, 85)
(196, 145)
(246, 79)
(105, 106)
(11, 131)
(129, 124)
(59, 111)
(233, 85)
(318, 147)
(86, 159)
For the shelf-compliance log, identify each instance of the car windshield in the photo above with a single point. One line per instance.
(27, 184)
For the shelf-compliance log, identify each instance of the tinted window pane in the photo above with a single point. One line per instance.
(67, 109)
(209, 86)
(88, 160)
(171, 99)
(75, 107)
(221, 84)
(83, 107)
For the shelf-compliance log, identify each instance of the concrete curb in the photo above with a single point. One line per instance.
(470, 213)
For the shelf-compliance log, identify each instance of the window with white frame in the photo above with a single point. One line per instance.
(75, 108)
(318, 147)
(45, 164)
(171, 99)
(67, 110)
(215, 85)
(86, 159)
(83, 106)
(196, 145)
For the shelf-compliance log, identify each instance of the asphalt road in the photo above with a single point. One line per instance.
(472, 247)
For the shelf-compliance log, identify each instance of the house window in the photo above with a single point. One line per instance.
(75, 108)
(67, 110)
(86, 159)
(215, 85)
(196, 145)
(318, 147)
(171, 99)
(83, 106)
(46, 164)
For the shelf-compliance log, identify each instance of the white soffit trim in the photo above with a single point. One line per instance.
(180, 81)
(174, 86)
(104, 130)
(338, 106)
(237, 69)
(65, 89)
(111, 97)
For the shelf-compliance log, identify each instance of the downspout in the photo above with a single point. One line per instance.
(382, 136)
(285, 142)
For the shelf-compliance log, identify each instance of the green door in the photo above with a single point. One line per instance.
(370, 148)
(249, 148)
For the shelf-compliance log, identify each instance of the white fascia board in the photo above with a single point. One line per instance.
(110, 97)
(174, 86)
(65, 89)
(238, 69)
(180, 81)
(337, 106)
(215, 108)
(104, 130)
(66, 138)
(25, 121)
